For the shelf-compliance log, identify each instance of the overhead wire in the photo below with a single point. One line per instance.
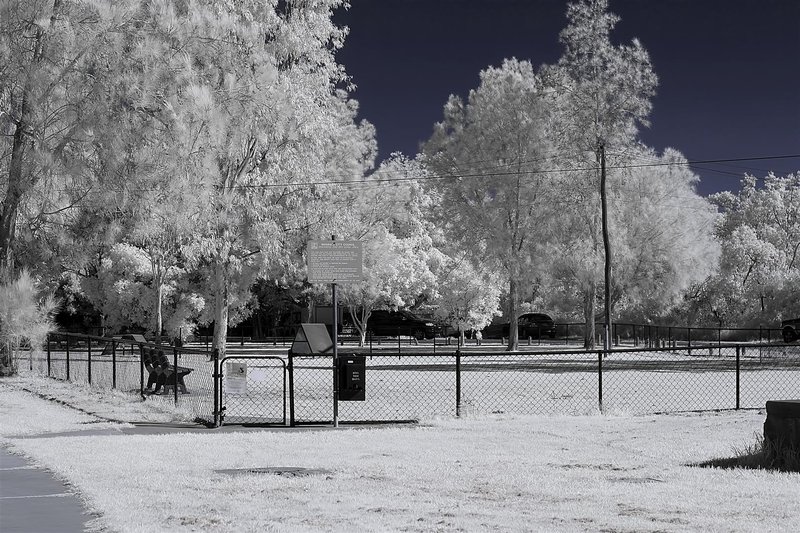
(489, 172)
(497, 172)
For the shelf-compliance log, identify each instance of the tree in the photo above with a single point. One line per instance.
(124, 291)
(492, 151)
(54, 57)
(255, 84)
(386, 211)
(759, 276)
(468, 299)
(602, 92)
(397, 274)
(663, 234)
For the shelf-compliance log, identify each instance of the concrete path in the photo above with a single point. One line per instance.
(32, 501)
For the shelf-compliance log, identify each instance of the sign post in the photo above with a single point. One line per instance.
(335, 262)
(335, 304)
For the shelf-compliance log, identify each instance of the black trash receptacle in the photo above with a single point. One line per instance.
(352, 370)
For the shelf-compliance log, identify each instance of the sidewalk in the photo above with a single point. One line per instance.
(32, 501)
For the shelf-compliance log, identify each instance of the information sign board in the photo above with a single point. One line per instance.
(334, 261)
(236, 378)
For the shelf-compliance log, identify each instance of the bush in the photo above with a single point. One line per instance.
(24, 320)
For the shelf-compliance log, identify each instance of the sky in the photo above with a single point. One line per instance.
(729, 70)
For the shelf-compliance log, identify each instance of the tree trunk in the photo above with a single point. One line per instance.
(360, 322)
(16, 186)
(13, 196)
(221, 305)
(513, 328)
(588, 317)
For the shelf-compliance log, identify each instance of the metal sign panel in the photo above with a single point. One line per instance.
(312, 339)
(334, 261)
(236, 378)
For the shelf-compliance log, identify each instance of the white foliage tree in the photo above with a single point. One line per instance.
(759, 277)
(602, 92)
(387, 213)
(124, 291)
(494, 147)
(468, 298)
(397, 274)
(662, 231)
(254, 84)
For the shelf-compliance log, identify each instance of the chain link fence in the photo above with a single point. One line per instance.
(135, 367)
(272, 390)
(634, 381)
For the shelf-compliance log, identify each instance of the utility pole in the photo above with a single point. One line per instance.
(607, 248)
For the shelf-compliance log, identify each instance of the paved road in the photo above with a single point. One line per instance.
(32, 501)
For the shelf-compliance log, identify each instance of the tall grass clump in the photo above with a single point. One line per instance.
(761, 455)
(25, 319)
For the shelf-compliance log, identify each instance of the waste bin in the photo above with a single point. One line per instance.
(351, 377)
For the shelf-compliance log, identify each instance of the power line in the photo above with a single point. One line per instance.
(488, 172)
(491, 172)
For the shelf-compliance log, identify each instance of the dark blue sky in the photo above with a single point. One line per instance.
(729, 70)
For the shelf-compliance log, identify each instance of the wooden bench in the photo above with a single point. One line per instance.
(162, 373)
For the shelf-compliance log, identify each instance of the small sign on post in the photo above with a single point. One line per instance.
(335, 262)
(236, 378)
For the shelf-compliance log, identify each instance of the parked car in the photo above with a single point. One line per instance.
(791, 330)
(534, 325)
(394, 323)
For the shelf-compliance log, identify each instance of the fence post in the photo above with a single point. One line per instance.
(141, 370)
(291, 387)
(216, 376)
(175, 372)
(67, 357)
(600, 380)
(458, 382)
(89, 358)
(689, 339)
(48, 354)
(738, 374)
(113, 364)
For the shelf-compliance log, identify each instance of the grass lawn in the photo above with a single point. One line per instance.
(600, 472)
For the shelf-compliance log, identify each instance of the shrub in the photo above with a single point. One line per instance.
(24, 319)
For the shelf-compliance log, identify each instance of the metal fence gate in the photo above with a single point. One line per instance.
(253, 390)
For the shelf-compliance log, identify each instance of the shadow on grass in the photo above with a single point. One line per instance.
(759, 456)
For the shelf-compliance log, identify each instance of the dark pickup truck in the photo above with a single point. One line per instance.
(791, 330)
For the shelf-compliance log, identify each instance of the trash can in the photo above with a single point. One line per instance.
(352, 369)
